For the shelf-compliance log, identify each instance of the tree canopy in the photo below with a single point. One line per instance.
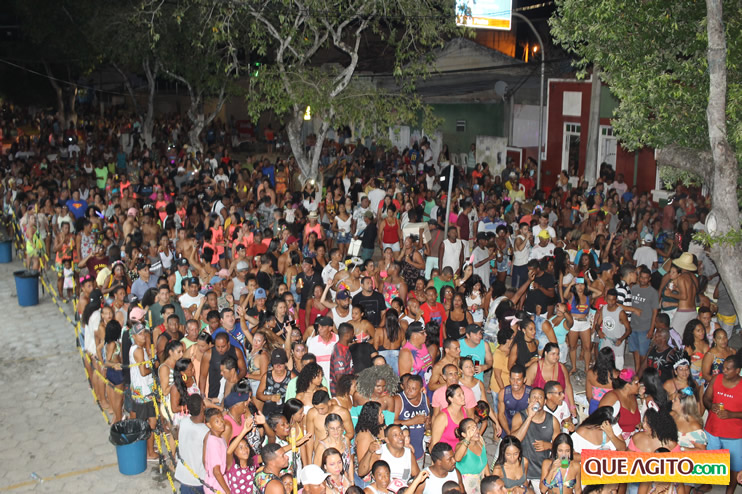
(653, 57)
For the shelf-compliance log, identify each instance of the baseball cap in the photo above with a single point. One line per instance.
(137, 314)
(142, 265)
(194, 279)
(182, 261)
(648, 238)
(291, 240)
(215, 279)
(234, 398)
(312, 475)
(137, 328)
(223, 273)
(260, 293)
(240, 247)
(369, 215)
(243, 266)
(342, 295)
(323, 321)
(278, 356)
(544, 234)
(131, 212)
(473, 328)
(606, 266)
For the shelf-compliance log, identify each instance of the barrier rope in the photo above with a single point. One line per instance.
(160, 435)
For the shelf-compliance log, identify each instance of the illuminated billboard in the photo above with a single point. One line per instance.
(484, 14)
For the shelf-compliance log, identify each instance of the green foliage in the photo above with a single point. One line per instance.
(730, 238)
(653, 56)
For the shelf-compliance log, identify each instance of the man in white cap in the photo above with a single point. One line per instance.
(313, 479)
(646, 255)
(237, 283)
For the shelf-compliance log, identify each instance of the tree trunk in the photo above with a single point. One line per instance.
(725, 208)
(60, 97)
(593, 131)
(149, 118)
(293, 129)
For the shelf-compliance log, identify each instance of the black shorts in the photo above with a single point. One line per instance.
(144, 411)
(115, 376)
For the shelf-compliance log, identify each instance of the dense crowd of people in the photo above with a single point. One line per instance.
(353, 334)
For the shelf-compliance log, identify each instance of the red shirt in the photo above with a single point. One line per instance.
(256, 249)
(732, 400)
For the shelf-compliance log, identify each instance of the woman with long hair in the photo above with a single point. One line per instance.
(389, 339)
(449, 418)
(113, 369)
(368, 429)
(681, 379)
(335, 440)
(308, 381)
(600, 430)
(257, 360)
(510, 465)
(548, 368)
(654, 394)
(338, 479)
(470, 454)
(577, 296)
(685, 411)
(458, 318)
(625, 390)
(713, 361)
(696, 346)
(600, 377)
(560, 473)
(184, 385)
(659, 431)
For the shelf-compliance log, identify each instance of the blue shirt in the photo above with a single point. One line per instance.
(77, 208)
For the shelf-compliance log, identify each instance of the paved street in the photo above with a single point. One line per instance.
(50, 423)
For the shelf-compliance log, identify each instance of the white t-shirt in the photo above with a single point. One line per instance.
(186, 300)
(434, 485)
(323, 351)
(538, 252)
(520, 257)
(375, 196)
(483, 271)
(645, 256)
(537, 229)
(191, 440)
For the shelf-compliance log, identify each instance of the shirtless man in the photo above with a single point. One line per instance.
(685, 290)
(453, 352)
(130, 223)
(150, 229)
(316, 416)
(284, 260)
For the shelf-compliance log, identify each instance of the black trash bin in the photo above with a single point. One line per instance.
(130, 438)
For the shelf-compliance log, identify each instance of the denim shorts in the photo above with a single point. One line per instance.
(733, 445)
(638, 342)
(343, 238)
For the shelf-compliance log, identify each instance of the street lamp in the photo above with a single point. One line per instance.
(540, 47)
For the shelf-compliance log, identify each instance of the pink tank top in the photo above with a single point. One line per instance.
(539, 381)
(449, 433)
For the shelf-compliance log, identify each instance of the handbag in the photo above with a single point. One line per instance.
(354, 248)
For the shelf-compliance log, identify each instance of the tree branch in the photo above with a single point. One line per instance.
(129, 88)
(691, 160)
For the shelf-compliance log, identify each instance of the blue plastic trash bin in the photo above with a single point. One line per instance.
(132, 458)
(6, 252)
(130, 438)
(27, 287)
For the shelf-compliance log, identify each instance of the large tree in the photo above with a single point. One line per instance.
(673, 67)
(311, 51)
(186, 40)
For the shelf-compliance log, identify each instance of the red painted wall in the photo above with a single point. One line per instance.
(552, 165)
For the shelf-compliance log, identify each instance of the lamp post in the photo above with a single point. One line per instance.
(540, 99)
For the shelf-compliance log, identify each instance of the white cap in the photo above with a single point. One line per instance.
(312, 475)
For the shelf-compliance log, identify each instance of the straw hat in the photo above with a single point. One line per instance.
(685, 261)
